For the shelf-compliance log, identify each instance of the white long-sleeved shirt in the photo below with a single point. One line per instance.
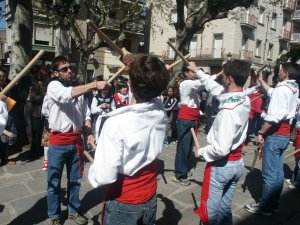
(3, 116)
(229, 128)
(283, 102)
(131, 138)
(188, 90)
(65, 112)
(45, 108)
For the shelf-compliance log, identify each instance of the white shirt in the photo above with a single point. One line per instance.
(230, 126)
(188, 90)
(65, 112)
(131, 138)
(3, 116)
(45, 108)
(297, 116)
(283, 102)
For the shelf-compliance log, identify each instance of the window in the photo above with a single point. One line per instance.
(218, 44)
(258, 48)
(42, 34)
(171, 51)
(193, 47)
(270, 52)
(261, 18)
(173, 16)
(273, 21)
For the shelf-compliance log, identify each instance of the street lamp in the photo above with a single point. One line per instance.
(229, 56)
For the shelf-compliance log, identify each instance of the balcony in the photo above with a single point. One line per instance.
(289, 6)
(295, 38)
(136, 27)
(285, 35)
(249, 21)
(246, 55)
(296, 16)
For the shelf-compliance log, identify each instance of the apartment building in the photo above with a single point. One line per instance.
(258, 35)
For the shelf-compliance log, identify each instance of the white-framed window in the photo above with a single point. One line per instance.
(273, 21)
(193, 47)
(171, 51)
(173, 16)
(270, 51)
(258, 48)
(261, 18)
(43, 34)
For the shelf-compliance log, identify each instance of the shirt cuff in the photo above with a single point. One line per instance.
(202, 76)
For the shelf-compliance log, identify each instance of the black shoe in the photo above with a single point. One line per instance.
(78, 218)
(256, 209)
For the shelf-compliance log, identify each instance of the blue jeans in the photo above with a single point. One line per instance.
(184, 146)
(118, 213)
(272, 170)
(223, 180)
(58, 156)
(296, 174)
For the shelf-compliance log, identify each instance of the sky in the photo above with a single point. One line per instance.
(2, 20)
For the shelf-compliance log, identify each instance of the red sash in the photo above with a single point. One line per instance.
(136, 189)
(281, 128)
(69, 138)
(119, 100)
(188, 113)
(297, 142)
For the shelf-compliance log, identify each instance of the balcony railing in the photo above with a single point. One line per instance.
(249, 20)
(137, 26)
(285, 34)
(295, 38)
(246, 55)
(296, 15)
(289, 5)
(200, 53)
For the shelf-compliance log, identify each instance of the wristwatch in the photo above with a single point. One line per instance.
(260, 133)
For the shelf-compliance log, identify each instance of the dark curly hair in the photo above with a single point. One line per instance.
(148, 78)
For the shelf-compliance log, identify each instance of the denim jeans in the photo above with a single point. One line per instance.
(58, 156)
(272, 170)
(184, 146)
(223, 180)
(296, 174)
(118, 213)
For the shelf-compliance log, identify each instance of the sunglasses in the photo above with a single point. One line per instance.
(65, 69)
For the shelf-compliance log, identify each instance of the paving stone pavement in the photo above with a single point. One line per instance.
(23, 199)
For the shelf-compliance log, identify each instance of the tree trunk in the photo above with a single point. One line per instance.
(62, 40)
(82, 68)
(21, 51)
(21, 35)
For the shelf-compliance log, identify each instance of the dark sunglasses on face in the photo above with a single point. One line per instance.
(65, 69)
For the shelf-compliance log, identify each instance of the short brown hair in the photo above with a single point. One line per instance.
(238, 70)
(148, 78)
(59, 60)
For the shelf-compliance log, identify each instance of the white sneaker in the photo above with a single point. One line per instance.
(291, 187)
(288, 181)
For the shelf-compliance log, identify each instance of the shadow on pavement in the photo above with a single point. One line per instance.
(171, 215)
(253, 182)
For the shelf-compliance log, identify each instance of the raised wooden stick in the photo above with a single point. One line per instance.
(88, 156)
(22, 73)
(195, 138)
(116, 74)
(104, 37)
(287, 156)
(261, 68)
(179, 60)
(257, 98)
(178, 52)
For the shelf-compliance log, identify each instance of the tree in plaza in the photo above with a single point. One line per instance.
(69, 16)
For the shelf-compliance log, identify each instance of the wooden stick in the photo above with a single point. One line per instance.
(261, 68)
(104, 37)
(22, 73)
(257, 151)
(257, 98)
(178, 52)
(8, 133)
(88, 156)
(116, 74)
(287, 156)
(179, 60)
(195, 138)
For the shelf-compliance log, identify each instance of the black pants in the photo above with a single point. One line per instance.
(36, 129)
